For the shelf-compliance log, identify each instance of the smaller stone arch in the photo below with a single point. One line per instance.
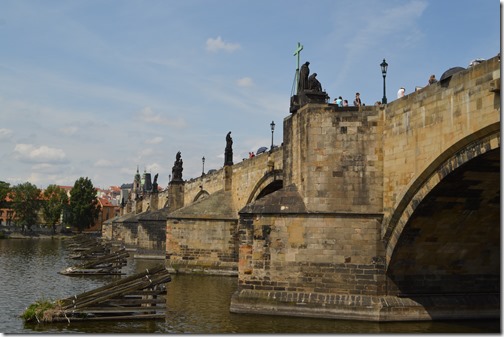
(270, 182)
(202, 194)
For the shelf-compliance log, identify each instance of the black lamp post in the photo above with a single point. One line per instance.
(384, 66)
(272, 130)
(203, 169)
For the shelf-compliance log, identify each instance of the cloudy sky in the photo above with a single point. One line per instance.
(96, 88)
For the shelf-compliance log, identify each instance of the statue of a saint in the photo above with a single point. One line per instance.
(314, 84)
(303, 77)
(228, 152)
(177, 168)
(155, 184)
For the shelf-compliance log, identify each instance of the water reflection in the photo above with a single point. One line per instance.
(195, 303)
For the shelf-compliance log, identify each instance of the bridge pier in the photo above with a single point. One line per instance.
(366, 307)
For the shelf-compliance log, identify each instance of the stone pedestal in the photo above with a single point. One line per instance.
(228, 177)
(154, 201)
(175, 195)
(307, 96)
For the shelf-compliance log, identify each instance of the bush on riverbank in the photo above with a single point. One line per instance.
(41, 311)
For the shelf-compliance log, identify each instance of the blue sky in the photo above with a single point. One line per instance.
(96, 88)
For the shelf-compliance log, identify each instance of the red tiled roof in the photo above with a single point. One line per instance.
(104, 202)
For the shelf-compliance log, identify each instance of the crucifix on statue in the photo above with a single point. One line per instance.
(297, 53)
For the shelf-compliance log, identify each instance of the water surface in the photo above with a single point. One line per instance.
(195, 303)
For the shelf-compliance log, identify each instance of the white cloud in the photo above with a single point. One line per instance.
(146, 153)
(245, 82)
(41, 154)
(154, 168)
(214, 45)
(395, 22)
(45, 168)
(148, 116)
(5, 134)
(155, 140)
(103, 163)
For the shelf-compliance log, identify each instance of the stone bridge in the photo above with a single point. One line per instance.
(376, 213)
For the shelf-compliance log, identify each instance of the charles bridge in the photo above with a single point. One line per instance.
(378, 213)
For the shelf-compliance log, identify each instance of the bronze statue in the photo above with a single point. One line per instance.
(177, 168)
(314, 84)
(228, 152)
(303, 77)
(155, 184)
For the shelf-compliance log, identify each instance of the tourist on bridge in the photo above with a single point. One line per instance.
(357, 100)
(400, 92)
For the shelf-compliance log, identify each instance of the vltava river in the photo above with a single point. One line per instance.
(196, 304)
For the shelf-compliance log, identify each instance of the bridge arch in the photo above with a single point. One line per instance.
(272, 181)
(458, 154)
(446, 234)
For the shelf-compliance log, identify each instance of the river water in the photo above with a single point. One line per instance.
(196, 303)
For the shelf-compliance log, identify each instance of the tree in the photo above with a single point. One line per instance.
(84, 207)
(4, 191)
(55, 199)
(26, 204)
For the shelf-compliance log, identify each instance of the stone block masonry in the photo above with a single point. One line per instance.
(319, 254)
(342, 158)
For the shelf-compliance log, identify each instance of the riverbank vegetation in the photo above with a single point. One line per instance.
(24, 205)
(42, 311)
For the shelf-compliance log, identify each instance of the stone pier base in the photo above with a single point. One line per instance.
(202, 267)
(367, 308)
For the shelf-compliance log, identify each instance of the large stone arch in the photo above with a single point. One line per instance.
(472, 146)
(270, 182)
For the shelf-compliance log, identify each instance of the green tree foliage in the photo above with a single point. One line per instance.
(4, 190)
(84, 207)
(55, 199)
(26, 204)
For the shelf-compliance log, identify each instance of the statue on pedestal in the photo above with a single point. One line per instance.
(155, 184)
(308, 88)
(228, 152)
(177, 168)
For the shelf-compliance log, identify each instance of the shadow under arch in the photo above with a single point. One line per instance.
(272, 181)
(447, 257)
(468, 148)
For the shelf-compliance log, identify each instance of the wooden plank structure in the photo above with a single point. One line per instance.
(140, 296)
(86, 247)
(110, 264)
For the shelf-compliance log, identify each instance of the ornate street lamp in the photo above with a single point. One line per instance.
(384, 66)
(272, 130)
(203, 169)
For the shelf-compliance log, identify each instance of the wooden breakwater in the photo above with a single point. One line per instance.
(98, 258)
(140, 296)
(84, 247)
(110, 264)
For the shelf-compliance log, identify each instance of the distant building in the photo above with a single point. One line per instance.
(107, 211)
